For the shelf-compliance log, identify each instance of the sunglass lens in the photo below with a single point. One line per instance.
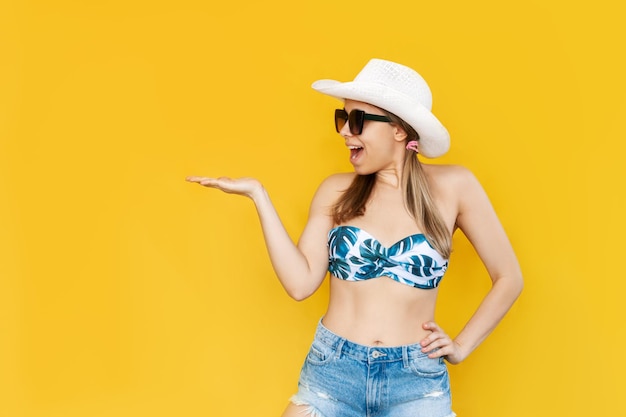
(356, 121)
(341, 117)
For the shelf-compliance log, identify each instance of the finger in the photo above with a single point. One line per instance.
(432, 326)
(434, 343)
(197, 179)
(209, 182)
(434, 329)
(439, 343)
(206, 181)
(431, 343)
(440, 348)
(441, 352)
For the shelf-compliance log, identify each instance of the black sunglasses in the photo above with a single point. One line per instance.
(355, 120)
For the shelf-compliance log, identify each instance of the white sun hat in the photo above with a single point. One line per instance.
(399, 90)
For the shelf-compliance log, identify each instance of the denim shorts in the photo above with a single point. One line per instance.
(340, 378)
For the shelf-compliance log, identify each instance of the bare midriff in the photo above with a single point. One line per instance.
(379, 311)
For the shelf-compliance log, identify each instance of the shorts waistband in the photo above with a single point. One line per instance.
(365, 353)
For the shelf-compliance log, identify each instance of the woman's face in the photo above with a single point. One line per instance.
(379, 146)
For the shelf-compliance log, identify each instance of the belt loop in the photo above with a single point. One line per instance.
(339, 348)
(405, 356)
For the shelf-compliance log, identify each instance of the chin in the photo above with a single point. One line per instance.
(363, 171)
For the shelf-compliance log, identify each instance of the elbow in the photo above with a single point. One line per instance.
(299, 294)
(302, 292)
(301, 289)
(519, 280)
(516, 285)
(513, 285)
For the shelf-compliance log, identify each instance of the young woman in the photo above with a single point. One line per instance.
(384, 233)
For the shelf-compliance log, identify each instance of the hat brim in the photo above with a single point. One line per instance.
(434, 138)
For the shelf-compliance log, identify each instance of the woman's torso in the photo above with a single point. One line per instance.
(382, 311)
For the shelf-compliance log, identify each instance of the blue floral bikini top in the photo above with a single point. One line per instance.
(355, 255)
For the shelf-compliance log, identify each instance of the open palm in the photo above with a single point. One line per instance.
(242, 186)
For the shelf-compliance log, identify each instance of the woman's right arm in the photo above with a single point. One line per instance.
(300, 268)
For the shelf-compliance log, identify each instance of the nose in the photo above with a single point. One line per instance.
(345, 130)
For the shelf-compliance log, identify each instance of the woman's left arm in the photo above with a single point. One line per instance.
(479, 222)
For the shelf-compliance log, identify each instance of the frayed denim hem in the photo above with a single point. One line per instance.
(310, 410)
(313, 412)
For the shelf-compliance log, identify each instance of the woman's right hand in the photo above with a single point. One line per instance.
(248, 187)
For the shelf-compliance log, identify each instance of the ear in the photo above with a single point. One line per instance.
(399, 134)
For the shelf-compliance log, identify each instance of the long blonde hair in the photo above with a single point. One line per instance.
(417, 197)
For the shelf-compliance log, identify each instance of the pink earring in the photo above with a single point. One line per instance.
(413, 146)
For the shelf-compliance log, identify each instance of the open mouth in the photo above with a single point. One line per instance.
(354, 151)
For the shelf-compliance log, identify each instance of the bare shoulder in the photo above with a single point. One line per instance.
(331, 189)
(450, 177)
(341, 180)
(336, 184)
(456, 190)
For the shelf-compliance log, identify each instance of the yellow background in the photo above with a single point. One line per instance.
(125, 291)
